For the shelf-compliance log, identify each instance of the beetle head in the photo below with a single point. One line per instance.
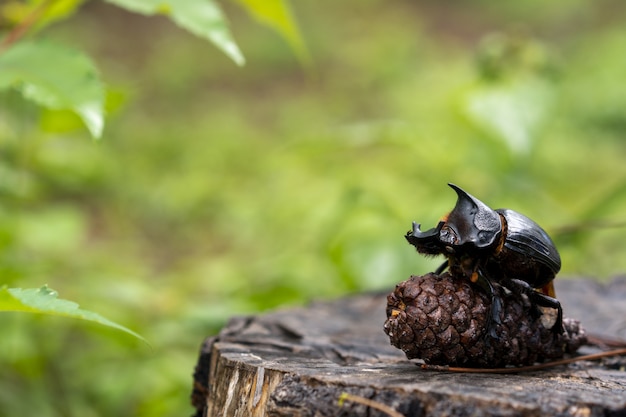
(471, 224)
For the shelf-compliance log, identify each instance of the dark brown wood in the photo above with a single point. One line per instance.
(297, 362)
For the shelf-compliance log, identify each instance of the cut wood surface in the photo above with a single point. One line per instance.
(298, 362)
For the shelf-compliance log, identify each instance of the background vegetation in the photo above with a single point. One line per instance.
(217, 190)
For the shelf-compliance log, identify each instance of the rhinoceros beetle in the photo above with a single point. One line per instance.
(500, 246)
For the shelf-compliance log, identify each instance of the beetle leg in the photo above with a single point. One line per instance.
(496, 304)
(546, 301)
(496, 308)
(539, 299)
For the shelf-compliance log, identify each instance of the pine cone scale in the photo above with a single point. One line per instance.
(443, 320)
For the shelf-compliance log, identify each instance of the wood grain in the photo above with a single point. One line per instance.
(298, 361)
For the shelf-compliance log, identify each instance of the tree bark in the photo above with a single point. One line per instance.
(298, 362)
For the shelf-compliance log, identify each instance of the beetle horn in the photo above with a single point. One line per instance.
(418, 234)
(473, 221)
(425, 242)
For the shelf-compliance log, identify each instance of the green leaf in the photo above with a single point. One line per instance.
(277, 15)
(44, 301)
(203, 18)
(63, 121)
(59, 10)
(55, 77)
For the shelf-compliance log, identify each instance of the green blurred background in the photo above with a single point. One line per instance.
(220, 191)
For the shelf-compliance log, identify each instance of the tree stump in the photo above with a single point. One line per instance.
(299, 361)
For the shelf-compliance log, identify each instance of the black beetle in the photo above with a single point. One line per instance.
(496, 245)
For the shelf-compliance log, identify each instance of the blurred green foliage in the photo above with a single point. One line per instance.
(218, 191)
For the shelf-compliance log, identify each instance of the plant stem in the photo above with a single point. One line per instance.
(20, 30)
(369, 403)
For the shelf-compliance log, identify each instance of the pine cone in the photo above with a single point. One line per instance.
(443, 319)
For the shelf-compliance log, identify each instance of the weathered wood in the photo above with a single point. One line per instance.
(297, 362)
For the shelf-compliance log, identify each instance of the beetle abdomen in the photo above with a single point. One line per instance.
(539, 261)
